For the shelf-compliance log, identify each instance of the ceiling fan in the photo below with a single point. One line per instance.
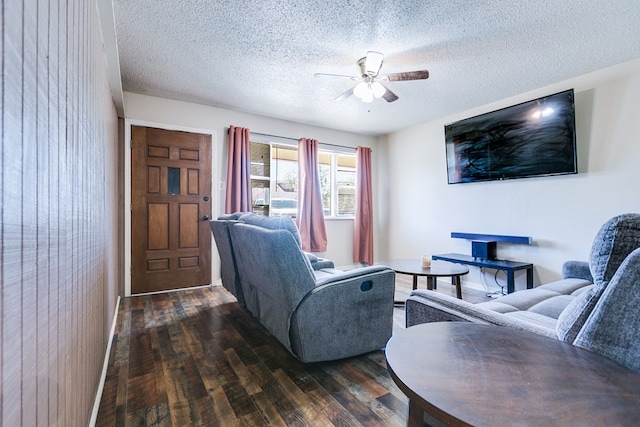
(370, 81)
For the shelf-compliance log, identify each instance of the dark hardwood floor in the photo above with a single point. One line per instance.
(195, 357)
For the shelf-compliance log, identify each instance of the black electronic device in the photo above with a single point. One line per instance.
(534, 138)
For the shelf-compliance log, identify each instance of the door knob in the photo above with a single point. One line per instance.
(205, 218)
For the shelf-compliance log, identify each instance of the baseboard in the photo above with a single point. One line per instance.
(105, 365)
(474, 285)
(171, 290)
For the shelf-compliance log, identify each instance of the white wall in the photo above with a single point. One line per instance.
(141, 109)
(561, 214)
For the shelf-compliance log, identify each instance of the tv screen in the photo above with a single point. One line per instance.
(535, 138)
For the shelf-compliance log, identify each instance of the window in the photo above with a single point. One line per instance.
(345, 185)
(260, 177)
(337, 181)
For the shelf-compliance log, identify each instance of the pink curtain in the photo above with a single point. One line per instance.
(363, 233)
(238, 171)
(310, 214)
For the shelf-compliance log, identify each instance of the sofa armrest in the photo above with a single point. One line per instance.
(322, 263)
(319, 263)
(350, 313)
(424, 306)
(576, 270)
(341, 275)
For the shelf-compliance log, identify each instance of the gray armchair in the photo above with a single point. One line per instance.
(316, 315)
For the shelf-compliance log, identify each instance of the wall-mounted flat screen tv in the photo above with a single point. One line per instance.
(535, 138)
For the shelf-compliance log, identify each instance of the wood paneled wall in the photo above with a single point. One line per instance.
(59, 229)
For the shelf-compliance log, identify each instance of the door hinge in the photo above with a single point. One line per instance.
(131, 207)
(131, 143)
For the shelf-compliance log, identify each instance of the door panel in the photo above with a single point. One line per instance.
(171, 177)
(158, 226)
(188, 225)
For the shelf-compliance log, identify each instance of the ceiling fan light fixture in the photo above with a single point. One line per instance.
(368, 97)
(377, 89)
(361, 90)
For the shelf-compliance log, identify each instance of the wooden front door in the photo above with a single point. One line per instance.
(171, 190)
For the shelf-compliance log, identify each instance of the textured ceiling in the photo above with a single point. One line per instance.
(260, 56)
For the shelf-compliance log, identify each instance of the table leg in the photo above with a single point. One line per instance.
(529, 277)
(510, 282)
(455, 281)
(431, 283)
(416, 415)
(415, 282)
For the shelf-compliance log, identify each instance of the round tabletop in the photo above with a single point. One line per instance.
(473, 374)
(414, 267)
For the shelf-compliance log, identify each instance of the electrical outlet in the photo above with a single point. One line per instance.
(221, 185)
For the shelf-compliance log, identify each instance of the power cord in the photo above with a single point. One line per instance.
(495, 279)
(491, 293)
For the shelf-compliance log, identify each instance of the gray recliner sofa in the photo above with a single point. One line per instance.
(563, 309)
(228, 268)
(317, 315)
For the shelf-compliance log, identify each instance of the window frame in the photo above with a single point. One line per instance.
(333, 174)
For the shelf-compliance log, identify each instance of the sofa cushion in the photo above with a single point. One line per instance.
(552, 307)
(537, 319)
(546, 303)
(566, 286)
(518, 301)
(582, 290)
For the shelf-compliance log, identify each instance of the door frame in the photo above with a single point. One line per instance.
(215, 194)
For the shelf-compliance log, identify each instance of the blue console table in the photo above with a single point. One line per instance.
(497, 264)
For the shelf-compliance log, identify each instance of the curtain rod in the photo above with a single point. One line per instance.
(296, 139)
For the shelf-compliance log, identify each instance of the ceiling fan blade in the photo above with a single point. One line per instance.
(407, 75)
(389, 96)
(344, 95)
(322, 75)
